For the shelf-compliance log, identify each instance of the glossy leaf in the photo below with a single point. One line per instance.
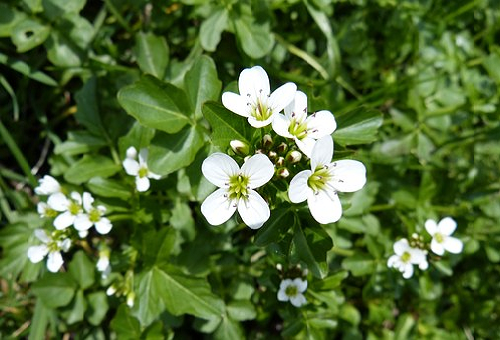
(106, 187)
(82, 270)
(273, 230)
(55, 290)
(311, 246)
(152, 53)
(91, 166)
(357, 127)
(212, 28)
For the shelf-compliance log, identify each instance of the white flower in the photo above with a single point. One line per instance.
(48, 185)
(255, 100)
(304, 129)
(93, 216)
(44, 210)
(291, 290)
(319, 186)
(441, 239)
(405, 257)
(51, 247)
(139, 169)
(236, 189)
(69, 208)
(103, 264)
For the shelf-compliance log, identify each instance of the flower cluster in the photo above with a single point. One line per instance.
(414, 252)
(303, 133)
(77, 210)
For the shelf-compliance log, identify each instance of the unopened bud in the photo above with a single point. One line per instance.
(280, 162)
(279, 267)
(130, 299)
(283, 172)
(272, 154)
(131, 152)
(239, 147)
(281, 149)
(111, 290)
(294, 157)
(267, 141)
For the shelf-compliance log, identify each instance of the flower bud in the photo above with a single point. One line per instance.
(111, 290)
(239, 147)
(130, 299)
(293, 157)
(283, 172)
(131, 152)
(267, 141)
(272, 155)
(281, 149)
(280, 161)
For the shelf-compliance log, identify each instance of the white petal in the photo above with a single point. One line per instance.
(102, 263)
(254, 81)
(407, 270)
(298, 300)
(322, 152)
(285, 283)
(401, 246)
(300, 284)
(282, 96)
(131, 152)
(348, 175)
(58, 202)
(83, 233)
(42, 235)
(82, 222)
(299, 190)
(218, 168)
(299, 109)
(142, 184)
(65, 244)
(103, 226)
(453, 245)
(64, 220)
(131, 166)
(254, 210)
(447, 226)
(260, 123)
(437, 247)
(54, 261)
(320, 124)
(216, 208)
(235, 103)
(280, 125)
(153, 175)
(87, 201)
(431, 227)
(392, 261)
(143, 156)
(75, 196)
(423, 265)
(325, 206)
(41, 208)
(37, 253)
(47, 185)
(258, 169)
(282, 295)
(306, 145)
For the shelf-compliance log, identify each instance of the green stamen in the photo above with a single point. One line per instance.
(238, 187)
(319, 179)
(94, 215)
(74, 208)
(297, 129)
(439, 237)
(260, 111)
(291, 290)
(406, 257)
(143, 172)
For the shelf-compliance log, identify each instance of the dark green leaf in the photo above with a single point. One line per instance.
(212, 28)
(152, 53)
(77, 308)
(229, 329)
(24, 68)
(156, 104)
(82, 270)
(79, 142)
(311, 246)
(87, 112)
(98, 307)
(9, 17)
(55, 290)
(157, 246)
(125, 325)
(273, 230)
(91, 166)
(108, 188)
(357, 127)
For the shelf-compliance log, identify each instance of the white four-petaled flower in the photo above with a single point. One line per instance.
(69, 208)
(93, 216)
(405, 257)
(304, 129)
(48, 185)
(441, 239)
(319, 186)
(255, 100)
(236, 189)
(50, 247)
(139, 169)
(292, 290)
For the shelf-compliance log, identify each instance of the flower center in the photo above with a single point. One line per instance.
(439, 237)
(406, 257)
(259, 109)
(74, 208)
(297, 129)
(143, 172)
(49, 212)
(291, 291)
(238, 187)
(319, 179)
(94, 215)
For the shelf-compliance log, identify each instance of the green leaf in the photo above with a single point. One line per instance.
(54, 9)
(91, 166)
(125, 325)
(241, 310)
(169, 153)
(202, 84)
(77, 308)
(357, 127)
(273, 230)
(156, 104)
(359, 264)
(98, 307)
(87, 112)
(79, 142)
(152, 53)
(138, 136)
(226, 125)
(254, 38)
(24, 68)
(492, 65)
(62, 52)
(28, 34)
(311, 246)
(229, 329)
(108, 188)
(39, 321)
(151, 304)
(14, 242)
(331, 282)
(82, 270)
(55, 290)
(157, 246)
(212, 28)
(9, 17)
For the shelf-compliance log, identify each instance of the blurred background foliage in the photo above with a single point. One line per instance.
(429, 69)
